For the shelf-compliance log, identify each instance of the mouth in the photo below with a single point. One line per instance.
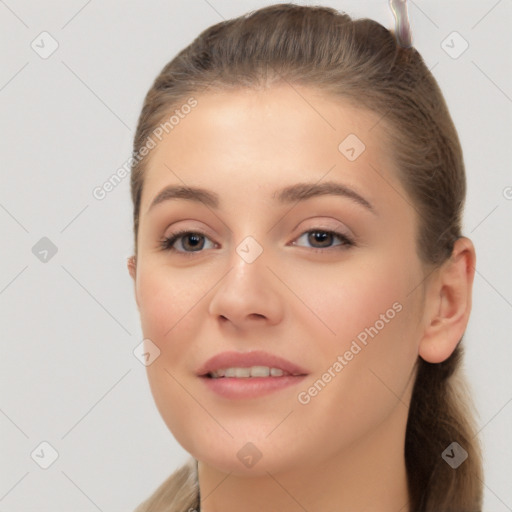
(244, 375)
(249, 372)
(253, 364)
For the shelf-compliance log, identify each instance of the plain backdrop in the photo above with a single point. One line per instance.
(69, 324)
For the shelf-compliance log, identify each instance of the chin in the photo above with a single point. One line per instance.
(242, 457)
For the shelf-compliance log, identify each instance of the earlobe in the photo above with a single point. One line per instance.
(449, 303)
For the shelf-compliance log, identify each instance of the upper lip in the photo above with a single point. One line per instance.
(246, 360)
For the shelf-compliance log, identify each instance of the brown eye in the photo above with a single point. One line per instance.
(323, 239)
(192, 242)
(184, 242)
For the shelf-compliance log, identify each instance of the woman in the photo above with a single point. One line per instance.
(300, 272)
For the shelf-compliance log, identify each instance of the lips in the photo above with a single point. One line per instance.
(254, 358)
(226, 375)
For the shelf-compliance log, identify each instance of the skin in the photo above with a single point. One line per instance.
(343, 450)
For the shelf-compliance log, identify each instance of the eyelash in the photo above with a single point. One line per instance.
(166, 243)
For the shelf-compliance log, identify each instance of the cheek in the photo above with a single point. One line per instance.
(167, 303)
(374, 346)
(166, 300)
(353, 299)
(384, 308)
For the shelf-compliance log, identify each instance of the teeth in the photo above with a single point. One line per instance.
(253, 371)
(242, 372)
(260, 371)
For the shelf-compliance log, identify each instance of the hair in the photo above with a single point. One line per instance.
(360, 62)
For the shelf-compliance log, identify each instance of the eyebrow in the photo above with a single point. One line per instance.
(291, 194)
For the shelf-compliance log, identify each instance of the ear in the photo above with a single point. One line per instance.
(131, 264)
(449, 303)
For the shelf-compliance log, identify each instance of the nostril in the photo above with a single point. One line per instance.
(252, 315)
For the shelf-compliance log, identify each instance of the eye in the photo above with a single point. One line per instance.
(194, 241)
(190, 241)
(325, 238)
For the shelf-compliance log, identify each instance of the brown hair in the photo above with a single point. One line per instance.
(361, 62)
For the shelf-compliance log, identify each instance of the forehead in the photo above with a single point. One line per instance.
(249, 138)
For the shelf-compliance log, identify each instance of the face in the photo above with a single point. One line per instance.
(323, 275)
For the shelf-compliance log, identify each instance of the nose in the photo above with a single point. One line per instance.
(248, 295)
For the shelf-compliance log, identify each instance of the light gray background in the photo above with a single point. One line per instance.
(69, 326)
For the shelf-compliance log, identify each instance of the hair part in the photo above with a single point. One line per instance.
(359, 61)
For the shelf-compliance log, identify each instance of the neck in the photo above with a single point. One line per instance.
(367, 476)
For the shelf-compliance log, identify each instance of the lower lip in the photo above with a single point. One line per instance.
(252, 387)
